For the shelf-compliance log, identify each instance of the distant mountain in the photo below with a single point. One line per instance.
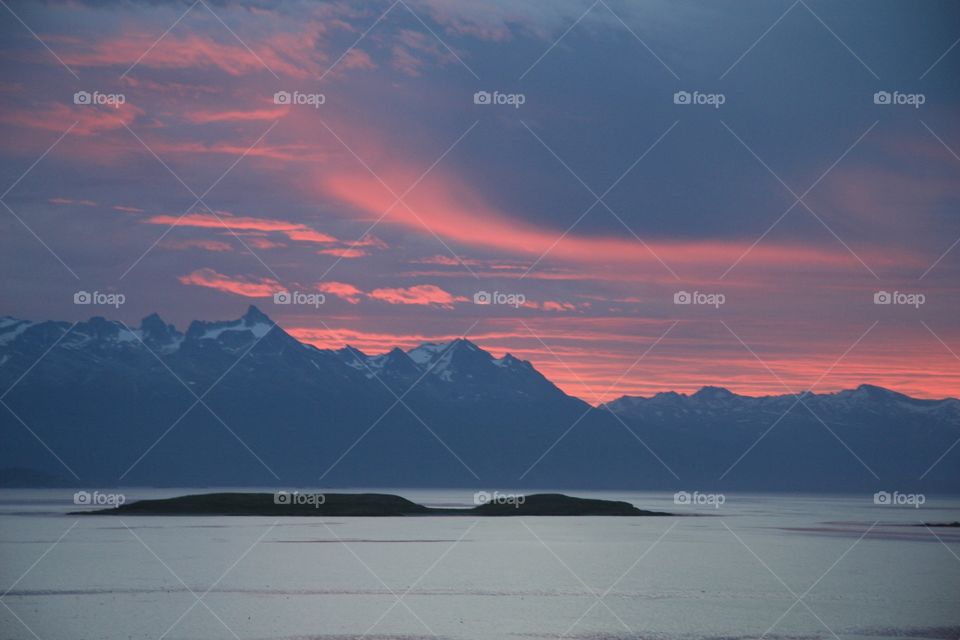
(825, 442)
(242, 402)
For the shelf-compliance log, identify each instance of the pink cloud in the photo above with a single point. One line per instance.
(263, 243)
(209, 245)
(90, 119)
(341, 290)
(446, 206)
(344, 252)
(447, 261)
(247, 287)
(288, 152)
(551, 305)
(68, 201)
(309, 235)
(423, 294)
(293, 55)
(293, 230)
(204, 117)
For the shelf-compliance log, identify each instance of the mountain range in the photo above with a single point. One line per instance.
(243, 403)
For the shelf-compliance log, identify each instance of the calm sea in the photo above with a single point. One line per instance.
(755, 566)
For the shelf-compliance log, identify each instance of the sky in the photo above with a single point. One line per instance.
(789, 169)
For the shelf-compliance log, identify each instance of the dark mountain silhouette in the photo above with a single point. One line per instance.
(243, 403)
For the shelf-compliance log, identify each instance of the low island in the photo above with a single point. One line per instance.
(366, 505)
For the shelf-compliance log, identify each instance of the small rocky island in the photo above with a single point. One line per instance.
(366, 505)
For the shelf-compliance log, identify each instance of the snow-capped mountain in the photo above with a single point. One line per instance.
(712, 401)
(458, 370)
(243, 402)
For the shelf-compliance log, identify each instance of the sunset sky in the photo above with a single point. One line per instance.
(194, 193)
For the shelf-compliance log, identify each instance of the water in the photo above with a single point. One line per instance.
(727, 573)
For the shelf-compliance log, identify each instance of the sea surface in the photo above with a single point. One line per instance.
(756, 566)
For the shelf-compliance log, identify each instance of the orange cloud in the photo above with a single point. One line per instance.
(247, 287)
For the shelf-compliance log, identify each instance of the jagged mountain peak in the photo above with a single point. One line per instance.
(154, 331)
(349, 353)
(254, 316)
(253, 321)
(397, 355)
(510, 360)
(426, 352)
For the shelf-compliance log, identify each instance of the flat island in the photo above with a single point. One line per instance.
(366, 505)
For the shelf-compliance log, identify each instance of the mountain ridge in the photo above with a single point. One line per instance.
(158, 334)
(242, 403)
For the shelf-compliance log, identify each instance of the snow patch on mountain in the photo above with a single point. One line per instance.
(425, 353)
